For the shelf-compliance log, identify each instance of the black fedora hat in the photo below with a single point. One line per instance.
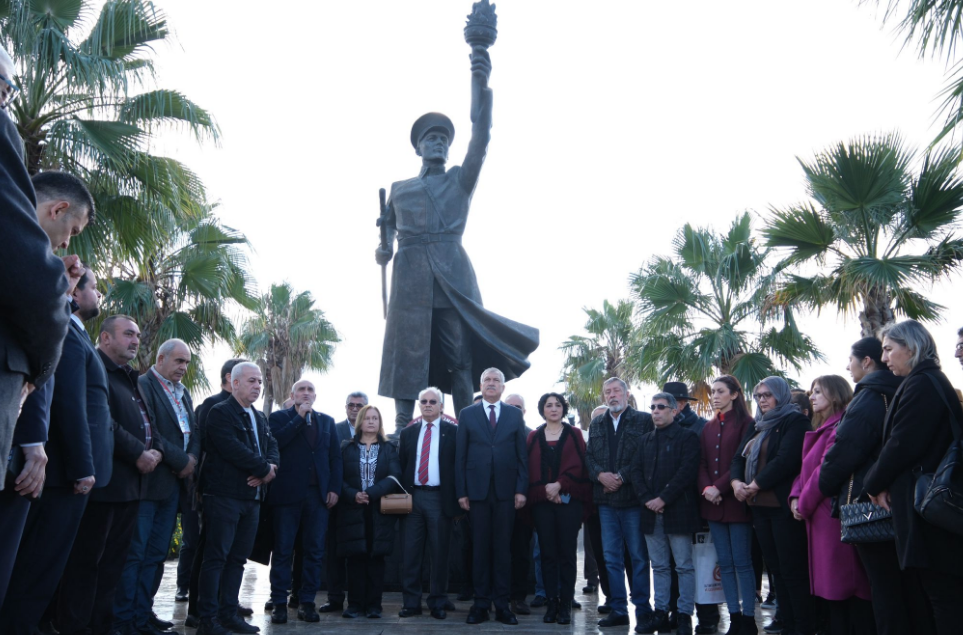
(679, 390)
(431, 121)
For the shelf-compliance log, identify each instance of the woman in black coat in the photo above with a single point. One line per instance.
(859, 439)
(917, 433)
(762, 473)
(365, 535)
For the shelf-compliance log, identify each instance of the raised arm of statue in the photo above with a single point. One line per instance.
(481, 118)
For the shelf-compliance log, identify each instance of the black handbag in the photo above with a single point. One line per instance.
(939, 496)
(864, 521)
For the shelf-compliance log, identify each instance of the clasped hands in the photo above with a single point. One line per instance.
(713, 495)
(465, 504)
(611, 482)
(254, 481)
(744, 492)
(148, 461)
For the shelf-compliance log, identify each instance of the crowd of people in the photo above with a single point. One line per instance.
(101, 459)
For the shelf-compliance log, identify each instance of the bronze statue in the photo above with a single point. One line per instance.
(437, 331)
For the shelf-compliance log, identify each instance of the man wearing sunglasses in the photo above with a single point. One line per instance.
(664, 475)
(427, 452)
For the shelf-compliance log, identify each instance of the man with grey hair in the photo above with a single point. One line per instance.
(171, 410)
(427, 453)
(614, 438)
(663, 474)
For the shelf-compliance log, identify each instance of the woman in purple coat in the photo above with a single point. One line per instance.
(835, 571)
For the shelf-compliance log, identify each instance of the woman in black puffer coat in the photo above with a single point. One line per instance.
(365, 535)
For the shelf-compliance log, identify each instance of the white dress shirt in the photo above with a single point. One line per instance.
(434, 474)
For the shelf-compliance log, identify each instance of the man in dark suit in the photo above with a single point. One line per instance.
(300, 498)
(171, 411)
(427, 452)
(335, 566)
(79, 451)
(491, 479)
(33, 321)
(97, 559)
(242, 458)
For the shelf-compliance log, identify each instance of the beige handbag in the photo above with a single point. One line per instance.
(396, 503)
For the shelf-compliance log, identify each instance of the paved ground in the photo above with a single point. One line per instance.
(256, 589)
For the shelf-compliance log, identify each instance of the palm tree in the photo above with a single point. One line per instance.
(873, 232)
(184, 288)
(604, 353)
(710, 310)
(87, 106)
(285, 337)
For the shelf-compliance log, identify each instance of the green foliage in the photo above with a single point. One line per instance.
(709, 309)
(285, 337)
(875, 233)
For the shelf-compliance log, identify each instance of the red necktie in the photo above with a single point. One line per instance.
(425, 453)
(491, 415)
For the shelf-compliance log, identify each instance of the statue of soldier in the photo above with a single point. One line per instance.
(437, 332)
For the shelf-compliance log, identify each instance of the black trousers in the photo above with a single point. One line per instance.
(366, 573)
(850, 617)
(13, 517)
(943, 593)
(521, 548)
(895, 594)
(190, 533)
(335, 567)
(557, 527)
(492, 522)
(786, 551)
(593, 531)
(96, 562)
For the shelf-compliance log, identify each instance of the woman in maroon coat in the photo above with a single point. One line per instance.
(729, 519)
(560, 498)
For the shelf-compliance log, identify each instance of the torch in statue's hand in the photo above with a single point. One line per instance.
(481, 65)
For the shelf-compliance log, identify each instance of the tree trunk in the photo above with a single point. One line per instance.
(877, 312)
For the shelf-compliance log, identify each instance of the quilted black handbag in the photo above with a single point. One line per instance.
(939, 496)
(864, 521)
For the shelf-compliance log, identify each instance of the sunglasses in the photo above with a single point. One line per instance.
(759, 396)
(658, 406)
(355, 406)
(425, 402)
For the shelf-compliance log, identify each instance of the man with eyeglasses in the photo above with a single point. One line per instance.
(33, 314)
(336, 567)
(614, 438)
(664, 477)
(427, 452)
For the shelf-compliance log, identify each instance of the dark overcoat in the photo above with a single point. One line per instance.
(163, 480)
(918, 432)
(351, 516)
(784, 457)
(299, 458)
(634, 424)
(665, 467)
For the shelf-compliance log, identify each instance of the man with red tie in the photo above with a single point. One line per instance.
(427, 452)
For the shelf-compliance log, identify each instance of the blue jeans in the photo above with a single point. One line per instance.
(230, 526)
(623, 526)
(733, 543)
(311, 515)
(134, 596)
(660, 543)
(539, 582)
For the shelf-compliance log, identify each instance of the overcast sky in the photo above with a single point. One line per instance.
(615, 122)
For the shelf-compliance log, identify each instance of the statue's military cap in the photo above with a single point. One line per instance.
(431, 121)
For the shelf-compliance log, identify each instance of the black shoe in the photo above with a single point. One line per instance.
(519, 607)
(551, 612)
(294, 602)
(182, 595)
(576, 604)
(328, 607)
(477, 615)
(408, 612)
(747, 625)
(604, 609)
(774, 626)
(735, 624)
(307, 612)
(770, 602)
(439, 614)
(539, 602)
(268, 606)
(564, 612)
(192, 621)
(449, 606)
(279, 615)
(685, 625)
(210, 628)
(238, 625)
(506, 617)
(614, 619)
(655, 621)
(351, 612)
(373, 614)
(590, 588)
(244, 611)
(150, 629)
(158, 623)
(671, 620)
(706, 629)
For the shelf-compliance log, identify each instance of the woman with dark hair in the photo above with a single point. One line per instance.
(763, 471)
(365, 535)
(835, 573)
(729, 519)
(917, 432)
(560, 499)
(859, 439)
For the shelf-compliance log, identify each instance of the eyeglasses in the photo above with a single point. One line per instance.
(959, 347)
(657, 406)
(425, 402)
(759, 396)
(355, 406)
(8, 91)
